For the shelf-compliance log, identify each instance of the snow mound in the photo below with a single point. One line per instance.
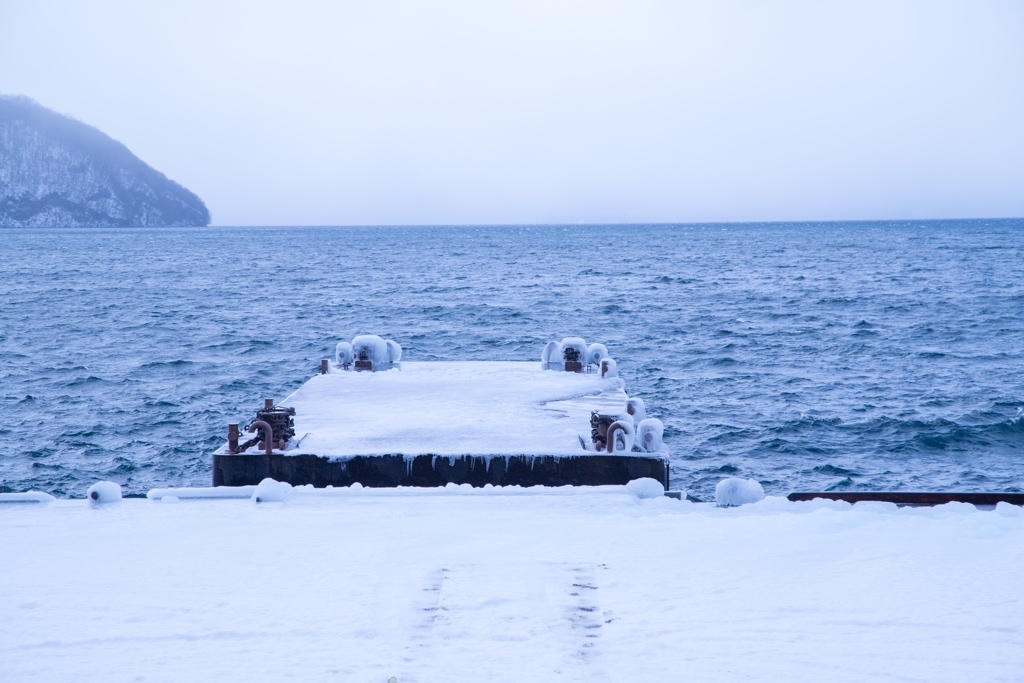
(104, 492)
(735, 491)
(202, 492)
(26, 497)
(1009, 510)
(270, 490)
(646, 488)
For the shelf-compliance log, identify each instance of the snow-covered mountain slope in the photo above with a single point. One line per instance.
(58, 172)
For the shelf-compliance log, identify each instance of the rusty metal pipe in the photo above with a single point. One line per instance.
(268, 434)
(612, 428)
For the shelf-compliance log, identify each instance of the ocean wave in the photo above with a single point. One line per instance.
(802, 356)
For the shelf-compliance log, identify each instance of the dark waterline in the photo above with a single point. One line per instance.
(882, 355)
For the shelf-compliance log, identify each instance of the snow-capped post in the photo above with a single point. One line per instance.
(649, 434)
(233, 437)
(268, 433)
(270, 490)
(343, 355)
(104, 492)
(595, 354)
(734, 491)
(323, 366)
(646, 487)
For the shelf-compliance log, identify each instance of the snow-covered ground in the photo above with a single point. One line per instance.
(508, 585)
(451, 408)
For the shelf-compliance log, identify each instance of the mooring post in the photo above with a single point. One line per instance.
(323, 366)
(233, 437)
(268, 404)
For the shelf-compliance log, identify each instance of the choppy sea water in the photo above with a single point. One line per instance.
(808, 356)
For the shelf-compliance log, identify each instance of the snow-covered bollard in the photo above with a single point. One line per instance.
(734, 491)
(394, 351)
(637, 408)
(551, 356)
(573, 354)
(646, 488)
(343, 354)
(104, 492)
(596, 353)
(270, 490)
(649, 435)
(370, 352)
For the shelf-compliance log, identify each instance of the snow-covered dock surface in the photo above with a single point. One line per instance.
(463, 584)
(451, 408)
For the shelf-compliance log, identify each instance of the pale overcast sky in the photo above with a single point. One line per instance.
(317, 112)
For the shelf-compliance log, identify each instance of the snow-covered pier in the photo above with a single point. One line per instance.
(474, 422)
(329, 557)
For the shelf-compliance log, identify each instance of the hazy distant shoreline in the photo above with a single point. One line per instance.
(58, 172)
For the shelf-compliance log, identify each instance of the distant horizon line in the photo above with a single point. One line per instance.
(609, 223)
(998, 219)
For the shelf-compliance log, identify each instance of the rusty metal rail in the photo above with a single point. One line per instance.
(913, 497)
